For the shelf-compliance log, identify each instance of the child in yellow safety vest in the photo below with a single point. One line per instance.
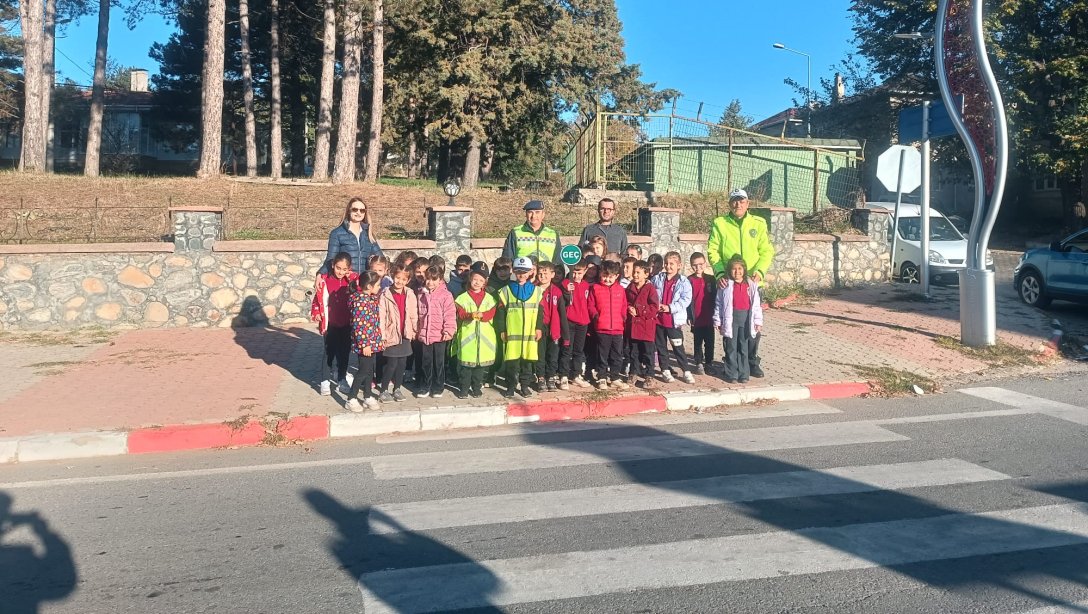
(520, 323)
(476, 339)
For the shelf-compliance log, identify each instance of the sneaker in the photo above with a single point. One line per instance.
(461, 394)
(326, 388)
(344, 387)
(581, 382)
(476, 394)
(550, 385)
(385, 397)
(602, 385)
(526, 391)
(564, 384)
(666, 376)
(353, 405)
(423, 395)
(742, 380)
(648, 383)
(688, 377)
(755, 370)
(437, 395)
(618, 384)
(398, 395)
(371, 403)
(538, 385)
(729, 380)
(700, 370)
(508, 392)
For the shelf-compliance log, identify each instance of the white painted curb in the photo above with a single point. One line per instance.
(9, 449)
(460, 418)
(71, 445)
(374, 423)
(703, 399)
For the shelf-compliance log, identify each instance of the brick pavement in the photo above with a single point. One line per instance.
(177, 376)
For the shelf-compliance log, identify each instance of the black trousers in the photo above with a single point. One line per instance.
(338, 349)
(472, 379)
(609, 356)
(704, 345)
(574, 354)
(671, 341)
(753, 349)
(520, 371)
(736, 347)
(415, 361)
(547, 364)
(642, 358)
(593, 355)
(434, 366)
(364, 377)
(393, 371)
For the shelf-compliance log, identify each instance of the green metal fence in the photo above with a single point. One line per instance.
(679, 155)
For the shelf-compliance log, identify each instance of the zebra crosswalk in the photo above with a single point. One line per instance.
(899, 500)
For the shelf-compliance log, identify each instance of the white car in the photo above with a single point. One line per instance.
(947, 247)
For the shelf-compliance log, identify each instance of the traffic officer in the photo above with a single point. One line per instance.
(533, 239)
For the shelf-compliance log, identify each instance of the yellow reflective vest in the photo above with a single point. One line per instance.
(542, 246)
(476, 341)
(521, 324)
(747, 237)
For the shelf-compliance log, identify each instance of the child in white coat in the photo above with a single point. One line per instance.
(738, 316)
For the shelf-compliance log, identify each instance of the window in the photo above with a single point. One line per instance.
(940, 229)
(1046, 183)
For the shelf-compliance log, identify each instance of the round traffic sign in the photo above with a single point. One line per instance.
(570, 255)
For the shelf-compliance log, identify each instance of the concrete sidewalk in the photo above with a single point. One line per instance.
(170, 389)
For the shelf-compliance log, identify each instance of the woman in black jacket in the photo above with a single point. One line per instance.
(354, 236)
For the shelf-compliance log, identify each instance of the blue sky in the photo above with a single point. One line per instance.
(711, 50)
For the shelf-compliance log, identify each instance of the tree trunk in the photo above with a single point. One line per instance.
(49, 57)
(347, 132)
(275, 156)
(247, 90)
(211, 93)
(489, 161)
(32, 153)
(471, 175)
(297, 138)
(377, 102)
(323, 132)
(98, 92)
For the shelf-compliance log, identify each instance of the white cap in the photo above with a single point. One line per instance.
(737, 194)
(523, 264)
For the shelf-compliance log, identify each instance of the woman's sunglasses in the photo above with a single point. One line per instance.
(357, 210)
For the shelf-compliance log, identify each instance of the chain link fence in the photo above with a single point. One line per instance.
(669, 154)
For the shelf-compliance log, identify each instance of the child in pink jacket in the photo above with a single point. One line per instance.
(437, 326)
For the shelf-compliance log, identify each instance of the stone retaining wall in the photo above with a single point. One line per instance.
(198, 280)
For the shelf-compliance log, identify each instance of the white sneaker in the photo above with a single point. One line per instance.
(371, 403)
(353, 406)
(423, 395)
(619, 385)
(688, 377)
(326, 388)
(581, 382)
(344, 387)
(564, 384)
(437, 395)
(602, 385)
(666, 376)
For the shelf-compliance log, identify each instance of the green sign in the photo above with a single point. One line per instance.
(570, 255)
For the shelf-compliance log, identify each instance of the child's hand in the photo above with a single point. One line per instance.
(477, 316)
(759, 328)
(367, 351)
(447, 337)
(632, 311)
(503, 337)
(662, 308)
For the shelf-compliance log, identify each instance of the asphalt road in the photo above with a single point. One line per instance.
(970, 501)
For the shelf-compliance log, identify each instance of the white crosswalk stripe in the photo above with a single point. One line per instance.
(422, 515)
(433, 464)
(795, 538)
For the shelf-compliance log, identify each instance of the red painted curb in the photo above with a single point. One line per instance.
(193, 437)
(625, 406)
(837, 390)
(304, 428)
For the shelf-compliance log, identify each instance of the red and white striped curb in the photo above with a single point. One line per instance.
(205, 436)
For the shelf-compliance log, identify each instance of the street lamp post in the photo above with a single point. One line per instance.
(808, 89)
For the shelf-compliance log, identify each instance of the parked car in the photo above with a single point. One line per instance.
(947, 247)
(1058, 271)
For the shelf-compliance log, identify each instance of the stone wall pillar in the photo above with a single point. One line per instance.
(873, 222)
(196, 229)
(663, 226)
(451, 229)
(780, 226)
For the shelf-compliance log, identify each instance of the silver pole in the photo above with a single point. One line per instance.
(895, 214)
(925, 198)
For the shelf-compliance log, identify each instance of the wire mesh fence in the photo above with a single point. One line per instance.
(669, 154)
(28, 223)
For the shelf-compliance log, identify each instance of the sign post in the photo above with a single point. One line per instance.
(899, 169)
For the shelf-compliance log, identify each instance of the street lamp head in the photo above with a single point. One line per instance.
(912, 36)
(781, 46)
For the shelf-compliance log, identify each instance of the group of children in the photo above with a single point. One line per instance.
(610, 322)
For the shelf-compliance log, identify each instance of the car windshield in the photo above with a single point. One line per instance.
(940, 229)
(1077, 243)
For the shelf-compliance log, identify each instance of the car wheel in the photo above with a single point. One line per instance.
(908, 273)
(1031, 290)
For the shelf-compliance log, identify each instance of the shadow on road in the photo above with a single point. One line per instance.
(946, 562)
(35, 570)
(362, 552)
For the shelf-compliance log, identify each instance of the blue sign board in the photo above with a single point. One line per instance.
(940, 124)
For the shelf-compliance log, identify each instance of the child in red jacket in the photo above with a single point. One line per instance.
(574, 353)
(704, 293)
(608, 311)
(332, 312)
(643, 304)
(553, 303)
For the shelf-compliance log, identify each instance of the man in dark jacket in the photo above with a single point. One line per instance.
(614, 234)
